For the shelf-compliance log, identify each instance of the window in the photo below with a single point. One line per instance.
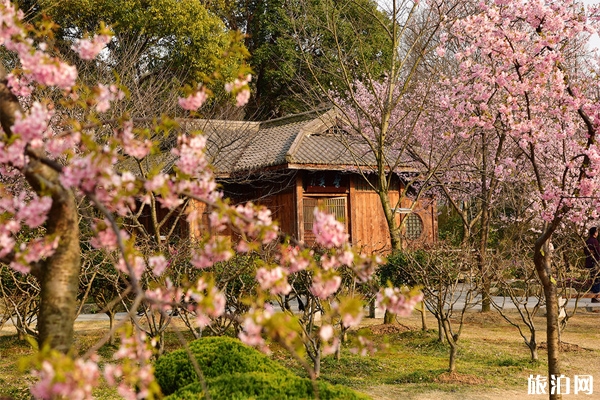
(332, 205)
(414, 226)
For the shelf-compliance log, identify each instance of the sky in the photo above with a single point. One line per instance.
(594, 40)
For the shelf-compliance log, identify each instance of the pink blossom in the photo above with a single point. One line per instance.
(156, 182)
(107, 94)
(294, 259)
(326, 332)
(329, 232)
(238, 84)
(19, 85)
(7, 243)
(88, 49)
(331, 349)
(323, 287)
(158, 264)
(215, 250)
(351, 319)
(75, 383)
(242, 97)
(195, 100)
(33, 126)
(274, 280)
(19, 267)
(34, 213)
(398, 301)
(251, 334)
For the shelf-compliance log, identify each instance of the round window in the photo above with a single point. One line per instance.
(414, 226)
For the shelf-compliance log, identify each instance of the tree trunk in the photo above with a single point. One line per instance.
(533, 350)
(59, 276)
(485, 228)
(452, 361)
(317, 363)
(390, 217)
(389, 318)
(485, 280)
(372, 309)
(542, 260)
(423, 316)
(111, 323)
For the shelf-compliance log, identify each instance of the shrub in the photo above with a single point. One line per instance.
(396, 270)
(264, 386)
(216, 356)
(235, 371)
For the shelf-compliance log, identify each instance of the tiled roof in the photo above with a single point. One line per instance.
(302, 140)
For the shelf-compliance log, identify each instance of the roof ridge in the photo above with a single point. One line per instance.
(293, 117)
(312, 126)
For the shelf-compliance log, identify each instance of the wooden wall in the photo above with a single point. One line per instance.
(368, 226)
(283, 206)
(364, 216)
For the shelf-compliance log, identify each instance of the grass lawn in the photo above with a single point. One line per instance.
(493, 362)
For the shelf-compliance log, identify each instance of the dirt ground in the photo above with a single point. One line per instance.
(580, 356)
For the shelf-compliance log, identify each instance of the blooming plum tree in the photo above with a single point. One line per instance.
(517, 75)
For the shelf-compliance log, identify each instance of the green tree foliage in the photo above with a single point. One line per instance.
(356, 29)
(176, 39)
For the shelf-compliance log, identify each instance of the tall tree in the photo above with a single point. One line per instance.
(282, 79)
(381, 95)
(156, 43)
(519, 75)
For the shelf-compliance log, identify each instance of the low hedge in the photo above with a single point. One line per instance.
(216, 356)
(263, 386)
(233, 370)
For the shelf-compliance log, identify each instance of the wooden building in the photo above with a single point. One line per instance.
(297, 163)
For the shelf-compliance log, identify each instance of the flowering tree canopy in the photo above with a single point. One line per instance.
(522, 77)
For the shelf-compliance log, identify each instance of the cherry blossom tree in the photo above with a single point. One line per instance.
(62, 148)
(381, 99)
(518, 75)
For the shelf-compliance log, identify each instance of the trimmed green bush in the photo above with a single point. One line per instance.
(216, 356)
(263, 386)
(235, 371)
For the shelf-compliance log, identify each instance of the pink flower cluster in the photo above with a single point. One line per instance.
(106, 95)
(275, 280)
(255, 222)
(328, 231)
(215, 249)
(208, 302)
(240, 88)
(36, 64)
(131, 145)
(331, 343)
(195, 100)
(325, 284)
(398, 301)
(76, 382)
(253, 327)
(88, 49)
(134, 375)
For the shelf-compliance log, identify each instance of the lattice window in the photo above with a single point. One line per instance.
(308, 206)
(332, 205)
(414, 226)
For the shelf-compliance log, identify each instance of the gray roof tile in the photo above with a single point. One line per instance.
(299, 140)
